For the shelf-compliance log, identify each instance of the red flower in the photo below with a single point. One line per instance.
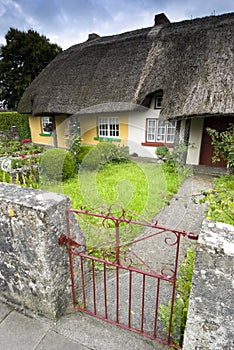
(26, 140)
(22, 155)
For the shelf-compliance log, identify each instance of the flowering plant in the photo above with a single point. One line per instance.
(26, 140)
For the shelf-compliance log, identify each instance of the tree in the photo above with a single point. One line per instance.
(21, 60)
(223, 143)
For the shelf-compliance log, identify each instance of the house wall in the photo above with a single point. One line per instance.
(89, 128)
(195, 139)
(35, 127)
(137, 130)
(61, 128)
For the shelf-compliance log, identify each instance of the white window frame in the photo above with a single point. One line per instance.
(160, 131)
(44, 122)
(108, 127)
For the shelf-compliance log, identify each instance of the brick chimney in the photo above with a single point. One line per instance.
(161, 19)
(93, 36)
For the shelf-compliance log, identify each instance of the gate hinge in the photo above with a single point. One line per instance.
(62, 240)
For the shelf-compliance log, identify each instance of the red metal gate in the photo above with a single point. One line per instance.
(124, 280)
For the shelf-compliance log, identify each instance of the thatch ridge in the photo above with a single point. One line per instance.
(191, 61)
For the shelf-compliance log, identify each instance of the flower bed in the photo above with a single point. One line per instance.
(19, 159)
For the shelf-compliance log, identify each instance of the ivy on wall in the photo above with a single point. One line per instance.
(9, 119)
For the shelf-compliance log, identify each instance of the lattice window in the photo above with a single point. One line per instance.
(108, 127)
(160, 131)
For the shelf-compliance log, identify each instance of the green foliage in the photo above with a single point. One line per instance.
(104, 152)
(223, 143)
(5, 177)
(180, 308)
(23, 156)
(16, 148)
(74, 146)
(162, 152)
(140, 187)
(9, 119)
(84, 150)
(220, 200)
(21, 60)
(173, 159)
(56, 164)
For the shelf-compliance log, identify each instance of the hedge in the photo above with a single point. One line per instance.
(9, 119)
(56, 164)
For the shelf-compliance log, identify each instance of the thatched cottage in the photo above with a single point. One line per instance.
(144, 88)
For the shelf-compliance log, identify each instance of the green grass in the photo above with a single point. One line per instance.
(141, 188)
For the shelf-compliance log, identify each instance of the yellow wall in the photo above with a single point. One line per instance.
(62, 130)
(35, 126)
(88, 125)
(89, 129)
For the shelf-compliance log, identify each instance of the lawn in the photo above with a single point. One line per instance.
(138, 187)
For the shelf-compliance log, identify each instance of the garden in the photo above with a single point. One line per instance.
(105, 175)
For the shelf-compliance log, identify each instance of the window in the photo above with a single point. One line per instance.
(160, 131)
(108, 127)
(158, 101)
(47, 125)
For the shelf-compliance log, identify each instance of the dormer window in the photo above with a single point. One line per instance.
(158, 101)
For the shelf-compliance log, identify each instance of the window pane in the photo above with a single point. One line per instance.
(151, 129)
(114, 127)
(161, 131)
(171, 128)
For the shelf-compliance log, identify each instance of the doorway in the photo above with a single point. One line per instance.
(219, 123)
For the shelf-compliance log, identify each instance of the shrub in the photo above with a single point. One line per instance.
(9, 119)
(175, 159)
(220, 200)
(162, 152)
(83, 151)
(104, 152)
(223, 143)
(74, 146)
(56, 164)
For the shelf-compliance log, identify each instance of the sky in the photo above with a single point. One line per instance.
(68, 22)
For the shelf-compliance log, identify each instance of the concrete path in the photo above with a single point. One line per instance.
(77, 331)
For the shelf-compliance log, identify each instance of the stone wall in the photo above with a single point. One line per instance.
(34, 269)
(210, 323)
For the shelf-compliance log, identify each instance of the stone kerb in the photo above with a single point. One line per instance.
(210, 323)
(34, 269)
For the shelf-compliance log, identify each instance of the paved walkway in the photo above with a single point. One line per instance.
(76, 331)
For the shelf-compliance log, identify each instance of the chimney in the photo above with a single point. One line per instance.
(161, 19)
(93, 36)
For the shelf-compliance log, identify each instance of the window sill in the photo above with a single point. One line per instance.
(157, 144)
(107, 139)
(42, 134)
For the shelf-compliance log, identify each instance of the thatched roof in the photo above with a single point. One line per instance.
(191, 61)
